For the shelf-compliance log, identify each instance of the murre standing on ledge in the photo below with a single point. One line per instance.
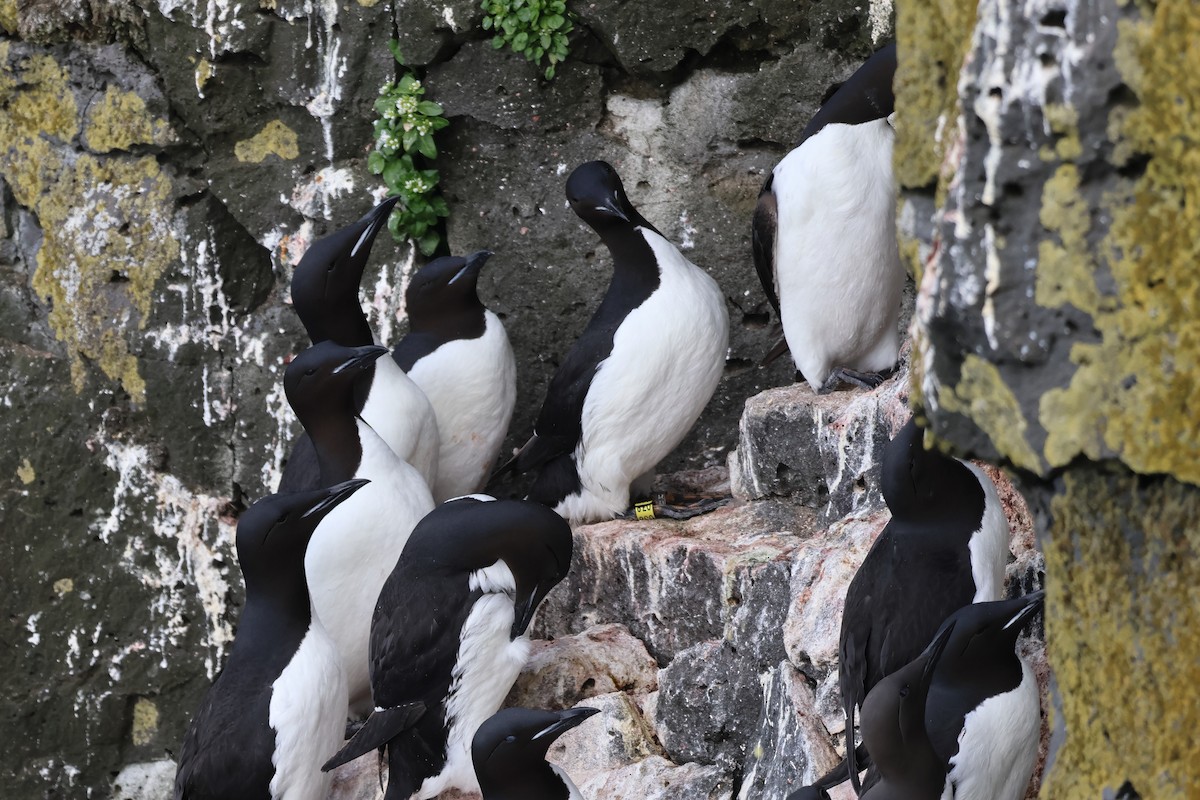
(457, 351)
(640, 374)
(893, 729)
(448, 634)
(355, 548)
(824, 236)
(983, 714)
(278, 707)
(509, 753)
(945, 546)
(325, 294)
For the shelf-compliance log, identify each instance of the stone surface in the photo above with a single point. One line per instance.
(791, 747)
(709, 700)
(600, 660)
(676, 584)
(151, 780)
(655, 778)
(820, 450)
(613, 739)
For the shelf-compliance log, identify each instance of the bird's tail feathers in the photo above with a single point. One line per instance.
(384, 725)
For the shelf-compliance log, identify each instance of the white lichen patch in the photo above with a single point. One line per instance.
(312, 198)
(182, 561)
(879, 19)
(385, 305)
(34, 637)
(285, 423)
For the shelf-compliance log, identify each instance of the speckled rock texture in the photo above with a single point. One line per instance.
(1046, 178)
(163, 166)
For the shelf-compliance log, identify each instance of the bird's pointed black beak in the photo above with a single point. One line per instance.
(336, 494)
(474, 264)
(933, 654)
(612, 208)
(524, 613)
(361, 357)
(1033, 603)
(372, 224)
(567, 719)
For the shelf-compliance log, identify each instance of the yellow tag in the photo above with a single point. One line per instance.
(644, 509)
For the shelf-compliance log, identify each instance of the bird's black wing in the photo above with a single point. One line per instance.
(301, 472)
(227, 750)
(384, 725)
(559, 425)
(762, 240)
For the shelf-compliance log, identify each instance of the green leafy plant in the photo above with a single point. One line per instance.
(404, 132)
(535, 28)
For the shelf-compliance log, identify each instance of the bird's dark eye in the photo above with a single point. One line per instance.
(510, 739)
(310, 372)
(904, 691)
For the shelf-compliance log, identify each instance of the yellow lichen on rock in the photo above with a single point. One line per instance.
(106, 221)
(25, 472)
(1134, 388)
(1123, 634)
(119, 120)
(8, 16)
(274, 139)
(933, 36)
(145, 721)
(982, 396)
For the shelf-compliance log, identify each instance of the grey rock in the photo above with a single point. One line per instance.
(613, 739)
(656, 778)
(708, 705)
(562, 672)
(501, 88)
(791, 747)
(822, 450)
(676, 584)
(150, 780)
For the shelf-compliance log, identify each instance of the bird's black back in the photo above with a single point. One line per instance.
(865, 96)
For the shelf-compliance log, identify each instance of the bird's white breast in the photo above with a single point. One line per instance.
(308, 714)
(400, 414)
(472, 385)
(998, 745)
(989, 545)
(667, 359)
(354, 550)
(837, 265)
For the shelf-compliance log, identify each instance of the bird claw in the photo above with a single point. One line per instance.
(863, 380)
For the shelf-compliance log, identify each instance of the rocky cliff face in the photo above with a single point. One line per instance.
(164, 163)
(1047, 179)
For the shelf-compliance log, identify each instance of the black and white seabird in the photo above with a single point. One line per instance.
(945, 546)
(509, 753)
(278, 707)
(640, 374)
(983, 714)
(449, 634)
(457, 351)
(893, 729)
(355, 548)
(824, 235)
(325, 294)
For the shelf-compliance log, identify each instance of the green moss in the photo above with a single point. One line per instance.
(1123, 634)
(106, 221)
(119, 120)
(981, 395)
(274, 139)
(1131, 393)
